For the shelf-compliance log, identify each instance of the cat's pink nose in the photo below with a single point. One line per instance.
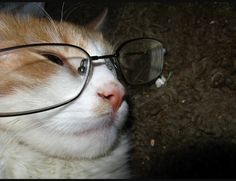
(113, 93)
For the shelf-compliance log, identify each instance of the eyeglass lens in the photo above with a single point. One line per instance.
(141, 60)
(39, 77)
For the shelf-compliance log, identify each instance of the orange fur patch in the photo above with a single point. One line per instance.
(16, 30)
(23, 70)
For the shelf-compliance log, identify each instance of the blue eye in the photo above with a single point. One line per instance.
(53, 58)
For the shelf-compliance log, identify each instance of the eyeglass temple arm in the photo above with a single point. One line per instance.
(115, 55)
(103, 57)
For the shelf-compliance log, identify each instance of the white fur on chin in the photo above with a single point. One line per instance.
(94, 141)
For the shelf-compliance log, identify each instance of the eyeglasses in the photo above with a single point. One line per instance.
(136, 62)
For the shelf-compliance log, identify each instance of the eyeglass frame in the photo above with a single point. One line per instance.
(114, 59)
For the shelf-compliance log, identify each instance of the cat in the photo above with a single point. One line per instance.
(83, 139)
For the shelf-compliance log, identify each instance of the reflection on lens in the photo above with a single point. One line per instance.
(141, 60)
(31, 81)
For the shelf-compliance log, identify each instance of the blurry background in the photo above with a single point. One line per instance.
(187, 128)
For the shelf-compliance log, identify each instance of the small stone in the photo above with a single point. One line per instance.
(217, 79)
(152, 142)
(212, 22)
(147, 158)
(160, 81)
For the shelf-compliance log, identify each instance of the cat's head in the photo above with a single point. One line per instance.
(86, 127)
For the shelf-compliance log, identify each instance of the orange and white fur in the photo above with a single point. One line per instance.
(79, 140)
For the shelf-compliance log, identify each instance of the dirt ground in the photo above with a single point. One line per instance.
(187, 128)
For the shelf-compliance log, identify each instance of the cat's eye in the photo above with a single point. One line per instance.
(53, 58)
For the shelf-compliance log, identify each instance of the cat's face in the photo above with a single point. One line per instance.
(86, 127)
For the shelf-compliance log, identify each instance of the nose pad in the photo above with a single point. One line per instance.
(113, 93)
(110, 66)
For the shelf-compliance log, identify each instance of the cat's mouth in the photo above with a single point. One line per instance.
(95, 130)
(86, 126)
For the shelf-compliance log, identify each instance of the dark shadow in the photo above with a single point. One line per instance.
(210, 159)
(79, 12)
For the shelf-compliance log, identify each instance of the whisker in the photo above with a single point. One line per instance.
(48, 17)
(71, 10)
(62, 11)
(77, 5)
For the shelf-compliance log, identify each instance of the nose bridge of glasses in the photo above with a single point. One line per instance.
(94, 58)
(108, 60)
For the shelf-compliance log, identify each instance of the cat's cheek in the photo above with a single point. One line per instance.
(88, 144)
(121, 115)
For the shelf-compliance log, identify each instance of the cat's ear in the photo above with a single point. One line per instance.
(98, 22)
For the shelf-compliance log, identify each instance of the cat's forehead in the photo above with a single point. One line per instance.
(90, 40)
(21, 30)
